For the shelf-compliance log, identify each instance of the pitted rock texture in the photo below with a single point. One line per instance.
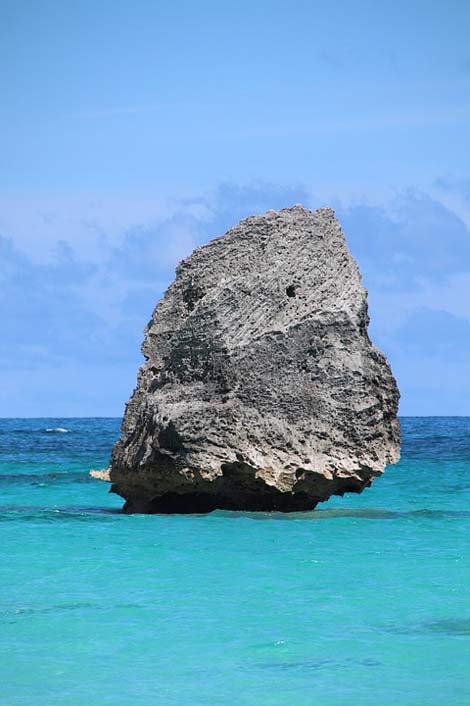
(261, 389)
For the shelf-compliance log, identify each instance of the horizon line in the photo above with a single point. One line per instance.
(400, 416)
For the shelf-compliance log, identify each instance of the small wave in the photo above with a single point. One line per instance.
(58, 430)
(28, 513)
(42, 479)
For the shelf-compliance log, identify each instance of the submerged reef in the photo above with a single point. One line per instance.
(261, 389)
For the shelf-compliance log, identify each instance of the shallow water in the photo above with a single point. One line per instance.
(364, 601)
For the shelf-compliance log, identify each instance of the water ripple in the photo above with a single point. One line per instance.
(45, 478)
(28, 512)
(17, 513)
(444, 626)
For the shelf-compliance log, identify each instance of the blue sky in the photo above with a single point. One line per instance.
(130, 132)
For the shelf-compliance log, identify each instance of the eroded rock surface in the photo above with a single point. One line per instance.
(261, 389)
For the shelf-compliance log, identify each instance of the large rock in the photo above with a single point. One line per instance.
(262, 389)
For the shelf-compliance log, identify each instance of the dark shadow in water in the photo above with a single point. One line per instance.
(334, 514)
(453, 627)
(85, 513)
(303, 665)
(449, 626)
(13, 615)
(313, 665)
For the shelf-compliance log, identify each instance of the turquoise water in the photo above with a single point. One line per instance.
(362, 602)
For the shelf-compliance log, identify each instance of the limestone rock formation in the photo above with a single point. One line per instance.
(261, 389)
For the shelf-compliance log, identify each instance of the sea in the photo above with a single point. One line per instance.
(363, 602)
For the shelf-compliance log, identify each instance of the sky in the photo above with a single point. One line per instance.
(130, 132)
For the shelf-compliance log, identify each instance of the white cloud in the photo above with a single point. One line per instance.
(80, 279)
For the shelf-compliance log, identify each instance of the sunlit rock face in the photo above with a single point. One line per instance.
(261, 389)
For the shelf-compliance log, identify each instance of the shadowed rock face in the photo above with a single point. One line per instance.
(261, 388)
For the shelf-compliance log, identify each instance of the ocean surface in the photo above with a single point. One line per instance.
(365, 601)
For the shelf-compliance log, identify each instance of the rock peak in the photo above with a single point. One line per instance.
(261, 389)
